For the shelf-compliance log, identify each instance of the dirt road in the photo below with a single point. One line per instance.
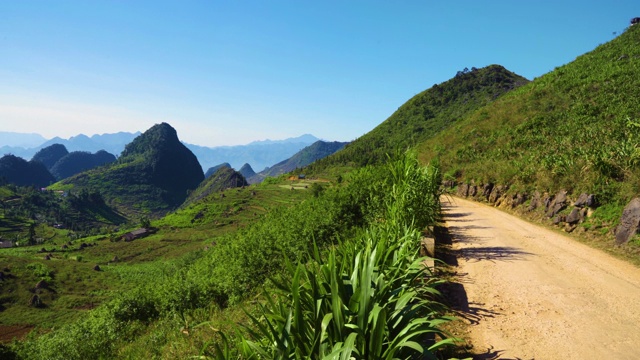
(532, 293)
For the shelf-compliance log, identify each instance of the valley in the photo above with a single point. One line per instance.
(165, 250)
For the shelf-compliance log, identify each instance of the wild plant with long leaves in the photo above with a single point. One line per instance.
(368, 298)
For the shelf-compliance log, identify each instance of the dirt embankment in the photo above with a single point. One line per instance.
(530, 293)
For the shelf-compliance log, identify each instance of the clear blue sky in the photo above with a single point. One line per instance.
(230, 72)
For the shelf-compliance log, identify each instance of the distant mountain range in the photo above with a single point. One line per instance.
(318, 150)
(260, 154)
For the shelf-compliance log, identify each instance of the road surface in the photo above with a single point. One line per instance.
(532, 293)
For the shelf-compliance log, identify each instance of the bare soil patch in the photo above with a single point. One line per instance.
(10, 332)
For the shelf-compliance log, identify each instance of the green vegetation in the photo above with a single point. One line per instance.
(50, 155)
(18, 171)
(318, 150)
(78, 161)
(224, 178)
(575, 128)
(308, 268)
(374, 210)
(367, 298)
(152, 176)
(425, 115)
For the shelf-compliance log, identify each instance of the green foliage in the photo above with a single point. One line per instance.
(50, 155)
(236, 265)
(575, 128)
(316, 189)
(224, 178)
(40, 271)
(17, 171)
(425, 115)
(152, 176)
(79, 161)
(369, 298)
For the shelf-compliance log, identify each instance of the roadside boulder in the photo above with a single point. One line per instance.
(519, 199)
(486, 190)
(574, 217)
(629, 222)
(463, 190)
(588, 200)
(536, 201)
(558, 204)
(473, 190)
(497, 193)
(97, 268)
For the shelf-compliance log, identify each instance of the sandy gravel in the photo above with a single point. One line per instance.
(532, 293)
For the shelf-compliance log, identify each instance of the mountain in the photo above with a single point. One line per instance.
(260, 154)
(224, 178)
(576, 128)
(318, 150)
(50, 155)
(428, 113)
(21, 140)
(212, 170)
(247, 171)
(21, 172)
(153, 174)
(302, 139)
(78, 161)
(112, 143)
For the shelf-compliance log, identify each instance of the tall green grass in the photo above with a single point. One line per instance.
(351, 264)
(371, 297)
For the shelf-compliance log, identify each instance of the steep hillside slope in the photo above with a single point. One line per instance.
(212, 170)
(576, 128)
(50, 155)
(247, 171)
(428, 113)
(18, 171)
(153, 174)
(318, 150)
(224, 178)
(78, 161)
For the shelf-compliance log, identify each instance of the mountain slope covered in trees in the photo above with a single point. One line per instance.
(426, 114)
(21, 172)
(153, 175)
(50, 155)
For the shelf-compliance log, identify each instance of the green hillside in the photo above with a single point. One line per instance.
(153, 175)
(212, 170)
(78, 161)
(318, 150)
(50, 155)
(18, 171)
(576, 128)
(224, 178)
(427, 114)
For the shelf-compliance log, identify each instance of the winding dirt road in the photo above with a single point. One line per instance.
(531, 293)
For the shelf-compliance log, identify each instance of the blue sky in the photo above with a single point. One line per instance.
(231, 72)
